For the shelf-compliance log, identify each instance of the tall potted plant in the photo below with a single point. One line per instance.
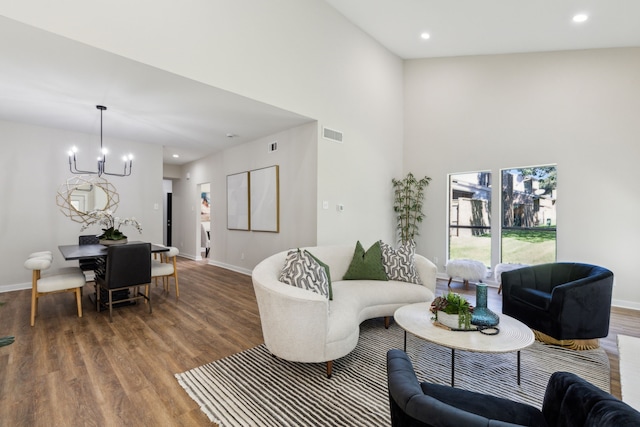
(407, 204)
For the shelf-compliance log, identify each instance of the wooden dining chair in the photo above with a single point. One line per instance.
(166, 268)
(69, 279)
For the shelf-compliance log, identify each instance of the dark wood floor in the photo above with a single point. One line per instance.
(67, 371)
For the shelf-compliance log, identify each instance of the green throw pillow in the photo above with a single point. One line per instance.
(366, 265)
(326, 270)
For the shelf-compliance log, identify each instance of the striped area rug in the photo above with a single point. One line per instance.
(253, 388)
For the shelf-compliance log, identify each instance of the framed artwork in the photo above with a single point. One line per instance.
(264, 199)
(238, 201)
(205, 206)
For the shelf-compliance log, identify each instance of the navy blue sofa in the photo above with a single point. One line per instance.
(569, 401)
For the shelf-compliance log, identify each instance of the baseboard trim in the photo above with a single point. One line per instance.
(230, 267)
(625, 304)
(15, 287)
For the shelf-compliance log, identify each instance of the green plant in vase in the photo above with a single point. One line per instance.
(453, 304)
(111, 224)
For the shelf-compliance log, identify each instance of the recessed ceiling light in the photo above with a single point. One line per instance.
(176, 156)
(425, 36)
(581, 17)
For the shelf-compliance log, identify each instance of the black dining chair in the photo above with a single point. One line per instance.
(126, 266)
(88, 265)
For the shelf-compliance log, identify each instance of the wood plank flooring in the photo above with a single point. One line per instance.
(70, 371)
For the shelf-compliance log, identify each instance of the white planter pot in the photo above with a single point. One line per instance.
(107, 242)
(449, 320)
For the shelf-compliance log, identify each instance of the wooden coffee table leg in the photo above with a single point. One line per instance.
(453, 365)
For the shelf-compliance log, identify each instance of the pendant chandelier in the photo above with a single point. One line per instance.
(102, 160)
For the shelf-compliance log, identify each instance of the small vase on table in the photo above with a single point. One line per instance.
(482, 316)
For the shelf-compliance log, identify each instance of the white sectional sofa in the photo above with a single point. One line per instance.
(302, 326)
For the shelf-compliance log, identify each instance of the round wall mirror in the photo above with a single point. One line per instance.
(85, 193)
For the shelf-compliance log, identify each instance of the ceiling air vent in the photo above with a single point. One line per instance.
(332, 135)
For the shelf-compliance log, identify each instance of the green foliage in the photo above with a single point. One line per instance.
(547, 175)
(6, 340)
(111, 223)
(527, 246)
(530, 236)
(112, 234)
(453, 303)
(407, 204)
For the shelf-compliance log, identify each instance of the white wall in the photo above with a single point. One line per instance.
(33, 166)
(242, 250)
(299, 55)
(578, 109)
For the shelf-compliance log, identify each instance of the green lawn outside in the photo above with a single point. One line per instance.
(525, 247)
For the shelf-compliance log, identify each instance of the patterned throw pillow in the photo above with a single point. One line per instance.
(366, 265)
(399, 264)
(326, 270)
(302, 271)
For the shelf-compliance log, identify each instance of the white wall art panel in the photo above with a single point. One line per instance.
(238, 201)
(265, 199)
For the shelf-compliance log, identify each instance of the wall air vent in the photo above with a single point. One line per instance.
(273, 146)
(332, 135)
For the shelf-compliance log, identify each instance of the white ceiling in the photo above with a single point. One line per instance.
(48, 80)
(480, 27)
(52, 81)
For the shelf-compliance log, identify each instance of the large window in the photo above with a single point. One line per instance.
(470, 216)
(529, 215)
(526, 232)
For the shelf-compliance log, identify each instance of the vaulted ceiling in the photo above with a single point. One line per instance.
(52, 81)
(481, 27)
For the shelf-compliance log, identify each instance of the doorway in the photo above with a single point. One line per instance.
(167, 190)
(205, 219)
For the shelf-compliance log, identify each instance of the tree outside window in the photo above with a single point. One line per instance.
(527, 210)
(528, 232)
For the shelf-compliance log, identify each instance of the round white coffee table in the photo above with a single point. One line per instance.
(416, 320)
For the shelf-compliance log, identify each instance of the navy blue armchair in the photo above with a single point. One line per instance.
(569, 401)
(564, 300)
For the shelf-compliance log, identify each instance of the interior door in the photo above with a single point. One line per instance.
(169, 215)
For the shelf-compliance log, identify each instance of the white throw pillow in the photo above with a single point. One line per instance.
(303, 271)
(399, 264)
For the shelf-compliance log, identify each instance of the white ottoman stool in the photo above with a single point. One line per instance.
(467, 270)
(500, 268)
